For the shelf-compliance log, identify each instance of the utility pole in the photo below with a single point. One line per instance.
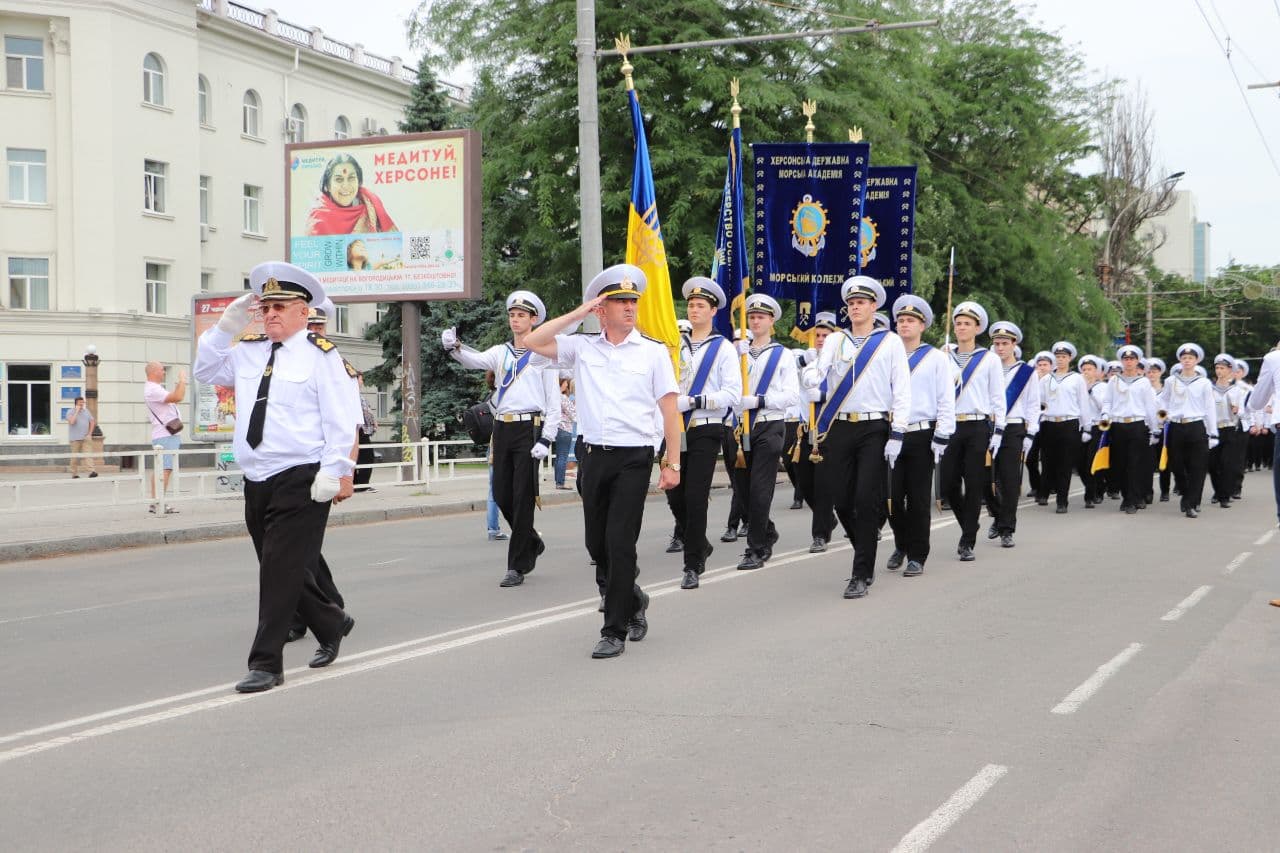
(1151, 304)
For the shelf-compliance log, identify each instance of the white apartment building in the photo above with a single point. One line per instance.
(144, 163)
(1184, 239)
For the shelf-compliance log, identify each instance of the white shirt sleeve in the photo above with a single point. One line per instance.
(215, 363)
(945, 385)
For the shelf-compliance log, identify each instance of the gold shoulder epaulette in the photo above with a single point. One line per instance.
(351, 371)
(655, 340)
(322, 342)
(252, 338)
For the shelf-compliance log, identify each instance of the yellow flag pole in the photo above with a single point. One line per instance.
(744, 441)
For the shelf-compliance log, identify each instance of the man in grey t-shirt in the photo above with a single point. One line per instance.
(80, 424)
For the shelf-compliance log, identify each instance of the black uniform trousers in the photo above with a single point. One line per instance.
(789, 436)
(911, 482)
(1093, 488)
(761, 478)
(964, 475)
(823, 521)
(1006, 479)
(853, 474)
(1130, 462)
(363, 457)
(1059, 450)
(515, 488)
(690, 500)
(1224, 461)
(287, 528)
(615, 481)
(1033, 466)
(1156, 474)
(324, 580)
(1189, 456)
(737, 478)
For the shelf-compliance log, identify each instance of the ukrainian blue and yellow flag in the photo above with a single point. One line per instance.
(729, 269)
(656, 313)
(1102, 456)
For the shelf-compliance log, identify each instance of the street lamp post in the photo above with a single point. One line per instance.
(91, 399)
(1104, 269)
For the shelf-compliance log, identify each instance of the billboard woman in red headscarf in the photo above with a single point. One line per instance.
(344, 205)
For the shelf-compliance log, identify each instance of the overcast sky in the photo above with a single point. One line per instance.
(1202, 123)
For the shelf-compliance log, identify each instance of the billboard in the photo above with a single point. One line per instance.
(213, 407)
(387, 218)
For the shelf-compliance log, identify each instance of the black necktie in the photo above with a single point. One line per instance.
(259, 415)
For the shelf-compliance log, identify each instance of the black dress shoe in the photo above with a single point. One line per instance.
(1042, 501)
(512, 578)
(1164, 497)
(638, 626)
(258, 680)
(857, 588)
(797, 504)
(328, 652)
(1006, 541)
(993, 532)
(895, 560)
(944, 505)
(1191, 512)
(608, 647)
(965, 553)
(600, 609)
(1236, 497)
(1224, 503)
(675, 546)
(742, 530)
(914, 568)
(1061, 510)
(690, 579)
(1131, 510)
(751, 560)
(295, 633)
(1088, 504)
(730, 534)
(819, 545)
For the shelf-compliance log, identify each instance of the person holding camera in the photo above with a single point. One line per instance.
(166, 422)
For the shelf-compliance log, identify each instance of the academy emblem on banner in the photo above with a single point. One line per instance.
(809, 227)
(870, 235)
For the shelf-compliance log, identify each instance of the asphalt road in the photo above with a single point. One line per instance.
(1109, 684)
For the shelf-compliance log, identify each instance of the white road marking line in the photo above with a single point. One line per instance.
(76, 610)
(1082, 693)
(1237, 562)
(1186, 604)
(944, 817)
(389, 562)
(1265, 538)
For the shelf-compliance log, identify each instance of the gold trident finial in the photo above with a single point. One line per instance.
(736, 109)
(623, 44)
(855, 134)
(809, 108)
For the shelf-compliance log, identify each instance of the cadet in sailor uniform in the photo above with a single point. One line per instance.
(1063, 425)
(1226, 461)
(621, 378)
(294, 447)
(772, 388)
(1155, 368)
(1043, 364)
(1022, 422)
(1193, 428)
(931, 422)
(710, 383)
(811, 402)
(864, 421)
(525, 422)
(1133, 428)
(1094, 370)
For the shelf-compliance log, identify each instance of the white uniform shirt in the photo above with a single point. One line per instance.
(1264, 391)
(984, 392)
(1227, 401)
(1247, 416)
(1194, 399)
(534, 389)
(1134, 398)
(1065, 397)
(723, 388)
(618, 386)
(1099, 398)
(783, 391)
(311, 410)
(1027, 406)
(933, 392)
(884, 384)
(800, 411)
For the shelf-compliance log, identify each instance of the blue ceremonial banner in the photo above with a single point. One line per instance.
(731, 267)
(808, 223)
(888, 228)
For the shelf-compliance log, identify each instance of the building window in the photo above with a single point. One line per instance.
(29, 283)
(153, 80)
(252, 113)
(206, 281)
(27, 396)
(202, 100)
(245, 281)
(380, 310)
(204, 199)
(342, 320)
(297, 126)
(24, 63)
(384, 404)
(252, 209)
(153, 179)
(157, 285)
(342, 128)
(28, 176)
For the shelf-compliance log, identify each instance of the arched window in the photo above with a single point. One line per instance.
(202, 100)
(297, 123)
(342, 128)
(251, 114)
(153, 80)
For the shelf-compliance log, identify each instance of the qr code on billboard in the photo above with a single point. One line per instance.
(419, 247)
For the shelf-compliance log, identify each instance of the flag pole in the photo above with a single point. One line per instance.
(744, 440)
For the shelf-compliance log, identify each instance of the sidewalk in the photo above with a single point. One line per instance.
(48, 532)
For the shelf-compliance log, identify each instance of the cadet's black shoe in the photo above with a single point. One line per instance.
(608, 647)
(819, 545)
(742, 530)
(600, 609)
(258, 680)
(797, 504)
(638, 627)
(993, 532)
(1042, 501)
(965, 553)
(944, 505)
(675, 546)
(857, 588)
(1191, 512)
(1236, 497)
(1131, 510)
(295, 633)
(1088, 504)
(512, 578)
(542, 546)
(1164, 497)
(895, 560)
(1061, 510)
(730, 534)
(914, 568)
(328, 652)
(690, 579)
(1225, 503)
(751, 560)
(1006, 541)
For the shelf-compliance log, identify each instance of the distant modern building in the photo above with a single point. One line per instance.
(1184, 240)
(144, 152)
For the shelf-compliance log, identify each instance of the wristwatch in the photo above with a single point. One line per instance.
(674, 466)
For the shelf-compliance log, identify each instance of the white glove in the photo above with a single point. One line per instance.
(540, 451)
(1155, 439)
(814, 394)
(743, 346)
(892, 448)
(939, 448)
(324, 487)
(1085, 436)
(1213, 442)
(449, 338)
(994, 444)
(750, 401)
(811, 356)
(236, 315)
(1026, 445)
(684, 402)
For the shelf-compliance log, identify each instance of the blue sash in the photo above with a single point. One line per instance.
(832, 408)
(762, 385)
(918, 356)
(517, 367)
(1015, 388)
(969, 369)
(704, 370)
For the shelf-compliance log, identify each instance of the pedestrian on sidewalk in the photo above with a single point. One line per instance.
(566, 431)
(166, 421)
(80, 423)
